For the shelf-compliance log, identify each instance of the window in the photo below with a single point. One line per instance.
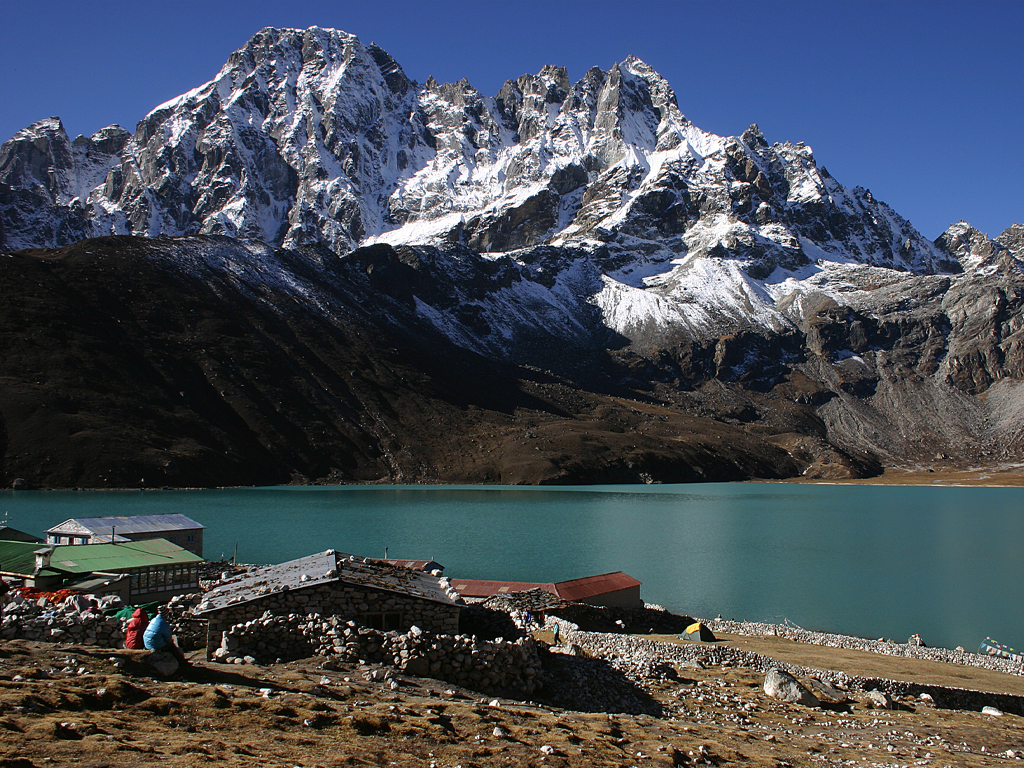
(191, 538)
(383, 621)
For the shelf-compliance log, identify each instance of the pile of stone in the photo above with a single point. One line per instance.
(189, 632)
(215, 572)
(648, 619)
(532, 600)
(594, 685)
(502, 667)
(75, 620)
(593, 618)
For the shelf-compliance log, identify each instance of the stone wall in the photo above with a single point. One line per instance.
(64, 623)
(362, 604)
(594, 618)
(639, 659)
(502, 667)
(884, 647)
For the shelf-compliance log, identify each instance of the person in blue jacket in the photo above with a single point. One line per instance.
(158, 637)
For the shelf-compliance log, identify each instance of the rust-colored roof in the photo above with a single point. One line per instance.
(478, 588)
(572, 590)
(592, 586)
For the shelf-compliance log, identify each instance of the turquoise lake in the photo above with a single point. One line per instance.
(863, 560)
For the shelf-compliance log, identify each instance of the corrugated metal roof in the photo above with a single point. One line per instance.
(323, 568)
(483, 588)
(592, 586)
(17, 558)
(87, 558)
(13, 534)
(572, 590)
(126, 524)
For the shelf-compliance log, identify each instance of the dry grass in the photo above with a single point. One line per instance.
(217, 714)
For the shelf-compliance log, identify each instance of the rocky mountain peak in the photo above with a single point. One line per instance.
(977, 253)
(39, 159)
(1012, 238)
(308, 137)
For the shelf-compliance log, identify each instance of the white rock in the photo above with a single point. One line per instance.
(880, 700)
(784, 687)
(991, 711)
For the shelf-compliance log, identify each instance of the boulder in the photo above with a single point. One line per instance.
(783, 686)
(880, 700)
(164, 663)
(824, 692)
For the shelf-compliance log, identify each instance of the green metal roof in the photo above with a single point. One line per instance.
(88, 558)
(16, 557)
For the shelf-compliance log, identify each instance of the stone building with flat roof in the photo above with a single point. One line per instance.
(373, 594)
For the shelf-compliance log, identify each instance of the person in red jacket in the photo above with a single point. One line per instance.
(136, 627)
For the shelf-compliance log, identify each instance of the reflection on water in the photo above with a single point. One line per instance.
(873, 561)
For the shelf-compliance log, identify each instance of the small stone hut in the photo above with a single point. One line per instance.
(373, 594)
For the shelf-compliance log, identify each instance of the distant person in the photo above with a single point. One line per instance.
(136, 628)
(158, 637)
(555, 631)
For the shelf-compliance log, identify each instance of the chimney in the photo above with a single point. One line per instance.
(113, 532)
(43, 558)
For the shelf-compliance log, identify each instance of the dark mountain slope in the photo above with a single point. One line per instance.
(133, 362)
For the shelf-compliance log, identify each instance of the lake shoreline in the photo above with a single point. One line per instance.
(1004, 476)
(999, 476)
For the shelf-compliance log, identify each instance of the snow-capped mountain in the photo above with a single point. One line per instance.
(555, 225)
(308, 136)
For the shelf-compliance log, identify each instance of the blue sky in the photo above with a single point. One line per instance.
(921, 102)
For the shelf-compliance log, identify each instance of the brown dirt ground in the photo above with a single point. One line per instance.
(75, 705)
(867, 664)
(1005, 475)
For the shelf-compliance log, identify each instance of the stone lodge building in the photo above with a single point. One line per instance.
(373, 594)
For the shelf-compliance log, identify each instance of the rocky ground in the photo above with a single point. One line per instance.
(693, 705)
